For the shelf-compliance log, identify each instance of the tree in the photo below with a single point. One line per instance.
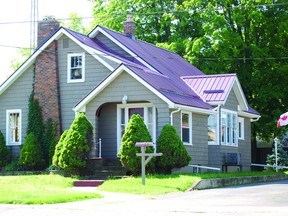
(3, 151)
(75, 23)
(58, 148)
(282, 157)
(31, 157)
(245, 37)
(49, 140)
(75, 145)
(174, 152)
(135, 131)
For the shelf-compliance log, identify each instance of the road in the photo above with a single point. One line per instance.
(253, 199)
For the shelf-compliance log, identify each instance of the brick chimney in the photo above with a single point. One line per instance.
(46, 27)
(46, 80)
(129, 27)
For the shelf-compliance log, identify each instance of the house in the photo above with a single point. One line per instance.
(110, 76)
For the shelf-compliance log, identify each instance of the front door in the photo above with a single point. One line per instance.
(125, 111)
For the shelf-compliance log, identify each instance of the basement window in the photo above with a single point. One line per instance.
(76, 68)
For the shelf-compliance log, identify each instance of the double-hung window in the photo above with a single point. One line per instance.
(241, 128)
(186, 127)
(212, 130)
(229, 134)
(76, 67)
(13, 127)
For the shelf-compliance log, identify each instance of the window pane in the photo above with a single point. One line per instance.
(185, 135)
(212, 128)
(14, 124)
(185, 120)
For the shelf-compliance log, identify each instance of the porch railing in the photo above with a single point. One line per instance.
(198, 167)
(96, 149)
(271, 166)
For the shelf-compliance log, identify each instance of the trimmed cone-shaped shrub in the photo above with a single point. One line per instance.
(135, 131)
(3, 151)
(75, 145)
(31, 157)
(174, 152)
(58, 148)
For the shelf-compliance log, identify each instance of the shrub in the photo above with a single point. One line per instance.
(136, 131)
(4, 153)
(49, 141)
(31, 157)
(75, 146)
(58, 148)
(282, 157)
(174, 152)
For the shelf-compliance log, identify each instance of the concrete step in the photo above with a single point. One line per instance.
(87, 183)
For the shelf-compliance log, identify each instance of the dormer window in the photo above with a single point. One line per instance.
(76, 68)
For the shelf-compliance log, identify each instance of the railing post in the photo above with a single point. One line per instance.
(100, 147)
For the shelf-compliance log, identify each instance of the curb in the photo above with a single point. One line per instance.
(222, 182)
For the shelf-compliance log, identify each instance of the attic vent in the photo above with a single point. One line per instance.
(213, 91)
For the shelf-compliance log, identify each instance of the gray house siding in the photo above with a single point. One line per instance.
(217, 152)
(72, 93)
(124, 84)
(17, 97)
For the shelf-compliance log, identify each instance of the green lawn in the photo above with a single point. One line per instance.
(161, 184)
(40, 189)
(48, 189)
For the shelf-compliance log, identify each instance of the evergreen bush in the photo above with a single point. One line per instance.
(4, 153)
(49, 141)
(31, 157)
(282, 157)
(136, 131)
(58, 148)
(75, 146)
(174, 152)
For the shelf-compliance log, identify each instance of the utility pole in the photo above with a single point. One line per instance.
(33, 24)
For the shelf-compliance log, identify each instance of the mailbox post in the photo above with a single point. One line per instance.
(143, 155)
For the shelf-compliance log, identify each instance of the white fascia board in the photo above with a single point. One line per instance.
(196, 109)
(99, 29)
(248, 115)
(108, 80)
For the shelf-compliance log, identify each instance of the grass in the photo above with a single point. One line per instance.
(49, 189)
(162, 184)
(40, 189)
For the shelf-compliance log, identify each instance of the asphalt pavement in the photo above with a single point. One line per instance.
(253, 199)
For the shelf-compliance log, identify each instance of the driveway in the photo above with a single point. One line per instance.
(253, 199)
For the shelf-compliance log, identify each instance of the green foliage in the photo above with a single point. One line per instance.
(135, 131)
(49, 141)
(31, 157)
(242, 37)
(74, 145)
(282, 157)
(4, 153)
(174, 152)
(13, 165)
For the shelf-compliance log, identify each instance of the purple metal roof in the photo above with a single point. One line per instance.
(174, 77)
(211, 88)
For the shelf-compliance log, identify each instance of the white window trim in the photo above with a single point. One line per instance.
(241, 121)
(236, 137)
(69, 80)
(137, 105)
(8, 112)
(190, 127)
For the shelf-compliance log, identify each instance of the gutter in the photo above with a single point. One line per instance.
(171, 115)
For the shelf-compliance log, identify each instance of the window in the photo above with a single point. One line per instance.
(76, 68)
(212, 130)
(125, 111)
(229, 128)
(241, 128)
(13, 127)
(186, 128)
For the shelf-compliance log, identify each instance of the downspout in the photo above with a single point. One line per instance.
(171, 115)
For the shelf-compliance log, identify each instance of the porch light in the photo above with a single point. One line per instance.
(124, 99)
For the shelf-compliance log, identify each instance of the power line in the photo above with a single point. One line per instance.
(157, 57)
(160, 12)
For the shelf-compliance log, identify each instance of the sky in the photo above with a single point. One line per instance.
(15, 26)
